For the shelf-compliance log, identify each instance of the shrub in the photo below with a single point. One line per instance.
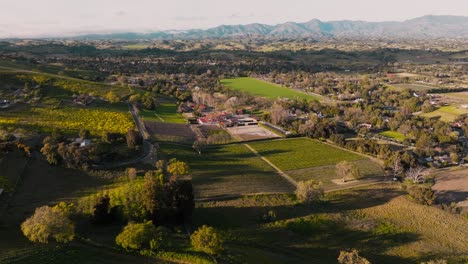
(351, 257)
(162, 239)
(309, 191)
(136, 236)
(101, 212)
(422, 194)
(208, 240)
(47, 223)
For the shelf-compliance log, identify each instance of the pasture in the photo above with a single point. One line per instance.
(265, 89)
(393, 134)
(165, 112)
(304, 159)
(447, 113)
(225, 171)
(379, 221)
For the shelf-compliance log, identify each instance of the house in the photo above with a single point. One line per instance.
(4, 103)
(85, 143)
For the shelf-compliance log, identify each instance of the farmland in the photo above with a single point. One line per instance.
(95, 119)
(305, 159)
(264, 89)
(165, 112)
(229, 170)
(299, 153)
(447, 113)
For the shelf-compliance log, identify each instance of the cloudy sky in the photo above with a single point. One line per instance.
(33, 18)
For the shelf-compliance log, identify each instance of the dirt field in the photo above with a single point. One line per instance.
(170, 132)
(452, 186)
(248, 133)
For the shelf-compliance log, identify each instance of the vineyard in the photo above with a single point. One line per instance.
(70, 120)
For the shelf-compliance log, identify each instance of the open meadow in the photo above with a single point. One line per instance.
(265, 89)
(379, 221)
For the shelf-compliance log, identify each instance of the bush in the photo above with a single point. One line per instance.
(136, 236)
(309, 191)
(162, 239)
(351, 257)
(208, 240)
(47, 223)
(422, 194)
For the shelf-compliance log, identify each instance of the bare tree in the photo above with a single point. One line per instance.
(416, 175)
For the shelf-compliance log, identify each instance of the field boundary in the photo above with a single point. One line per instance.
(278, 170)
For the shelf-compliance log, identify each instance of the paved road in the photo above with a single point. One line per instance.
(149, 151)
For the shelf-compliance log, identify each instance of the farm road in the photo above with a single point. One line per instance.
(278, 170)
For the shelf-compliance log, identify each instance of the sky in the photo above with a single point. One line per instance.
(44, 18)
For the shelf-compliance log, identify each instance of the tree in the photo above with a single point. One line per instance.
(199, 145)
(351, 257)
(49, 150)
(101, 211)
(133, 138)
(136, 236)
(131, 173)
(152, 192)
(346, 170)
(84, 133)
(208, 240)
(395, 165)
(309, 191)
(416, 175)
(177, 168)
(48, 223)
(112, 97)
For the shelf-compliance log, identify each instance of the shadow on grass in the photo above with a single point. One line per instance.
(303, 233)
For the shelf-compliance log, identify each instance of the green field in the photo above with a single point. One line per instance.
(299, 153)
(265, 89)
(304, 159)
(413, 87)
(227, 170)
(447, 113)
(393, 134)
(165, 112)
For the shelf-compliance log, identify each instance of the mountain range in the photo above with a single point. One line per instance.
(423, 27)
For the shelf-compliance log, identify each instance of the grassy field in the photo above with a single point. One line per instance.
(384, 225)
(393, 134)
(70, 119)
(447, 113)
(414, 87)
(265, 89)
(304, 159)
(225, 171)
(299, 153)
(165, 112)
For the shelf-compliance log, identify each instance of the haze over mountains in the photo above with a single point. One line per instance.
(423, 27)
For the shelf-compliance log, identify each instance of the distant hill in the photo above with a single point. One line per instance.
(422, 27)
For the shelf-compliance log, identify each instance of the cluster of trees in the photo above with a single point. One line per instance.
(60, 151)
